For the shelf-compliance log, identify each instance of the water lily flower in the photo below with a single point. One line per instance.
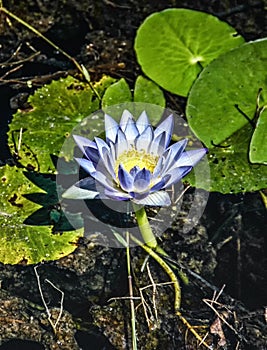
(136, 163)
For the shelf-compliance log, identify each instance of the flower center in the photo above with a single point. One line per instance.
(132, 158)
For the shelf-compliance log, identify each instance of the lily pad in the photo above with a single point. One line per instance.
(230, 171)
(21, 243)
(258, 144)
(117, 93)
(55, 109)
(221, 111)
(146, 96)
(173, 46)
(146, 91)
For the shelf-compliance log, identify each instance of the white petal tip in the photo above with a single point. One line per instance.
(75, 192)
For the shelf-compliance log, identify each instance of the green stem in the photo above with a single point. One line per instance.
(149, 237)
(144, 226)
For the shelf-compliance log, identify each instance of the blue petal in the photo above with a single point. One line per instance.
(126, 116)
(126, 180)
(173, 153)
(101, 145)
(167, 127)
(176, 175)
(88, 183)
(109, 165)
(121, 143)
(131, 131)
(158, 168)
(117, 195)
(112, 153)
(80, 191)
(111, 128)
(190, 158)
(104, 180)
(138, 196)
(157, 199)
(159, 185)
(83, 142)
(92, 153)
(157, 146)
(142, 180)
(143, 141)
(87, 165)
(142, 122)
(134, 170)
(88, 148)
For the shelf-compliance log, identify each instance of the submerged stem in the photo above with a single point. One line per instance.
(166, 268)
(176, 286)
(133, 328)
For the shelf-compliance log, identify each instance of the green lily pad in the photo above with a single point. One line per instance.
(55, 109)
(258, 144)
(21, 243)
(146, 96)
(146, 91)
(117, 93)
(173, 46)
(230, 171)
(221, 110)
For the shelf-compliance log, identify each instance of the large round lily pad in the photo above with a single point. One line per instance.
(173, 46)
(222, 110)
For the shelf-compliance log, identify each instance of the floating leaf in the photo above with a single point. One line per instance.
(146, 96)
(230, 171)
(21, 243)
(146, 91)
(258, 144)
(117, 93)
(220, 108)
(56, 109)
(174, 45)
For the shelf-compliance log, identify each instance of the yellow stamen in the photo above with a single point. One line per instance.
(132, 158)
